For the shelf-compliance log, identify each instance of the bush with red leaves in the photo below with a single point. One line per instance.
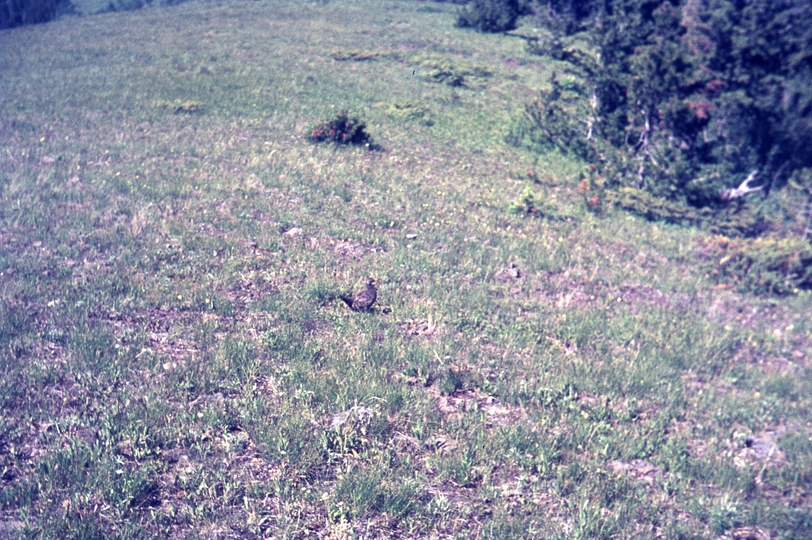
(342, 130)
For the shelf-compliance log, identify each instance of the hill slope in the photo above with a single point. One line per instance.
(175, 360)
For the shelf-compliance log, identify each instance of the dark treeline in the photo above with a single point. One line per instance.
(15, 13)
(21, 12)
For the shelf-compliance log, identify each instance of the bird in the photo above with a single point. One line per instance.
(364, 299)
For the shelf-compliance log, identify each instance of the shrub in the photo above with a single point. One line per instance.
(767, 265)
(567, 17)
(592, 189)
(409, 110)
(528, 204)
(443, 70)
(491, 15)
(563, 118)
(652, 208)
(737, 219)
(342, 130)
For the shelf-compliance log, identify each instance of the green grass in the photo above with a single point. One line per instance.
(173, 360)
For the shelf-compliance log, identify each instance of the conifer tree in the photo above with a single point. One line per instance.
(699, 100)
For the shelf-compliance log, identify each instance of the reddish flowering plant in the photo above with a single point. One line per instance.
(591, 188)
(342, 130)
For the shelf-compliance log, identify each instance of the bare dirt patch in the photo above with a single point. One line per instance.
(163, 329)
(418, 328)
(453, 406)
(637, 469)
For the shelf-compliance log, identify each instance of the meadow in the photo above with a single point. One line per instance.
(175, 361)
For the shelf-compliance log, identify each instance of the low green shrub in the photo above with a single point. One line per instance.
(652, 208)
(446, 71)
(491, 15)
(342, 130)
(735, 220)
(529, 204)
(593, 189)
(765, 265)
(526, 204)
(408, 110)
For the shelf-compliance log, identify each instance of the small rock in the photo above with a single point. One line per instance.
(638, 469)
(748, 533)
(510, 273)
(362, 413)
(763, 446)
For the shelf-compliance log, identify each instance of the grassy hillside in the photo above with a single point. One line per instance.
(174, 361)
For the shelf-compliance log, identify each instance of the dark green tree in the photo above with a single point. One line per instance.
(568, 16)
(15, 13)
(698, 100)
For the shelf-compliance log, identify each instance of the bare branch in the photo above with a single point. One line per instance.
(641, 174)
(592, 119)
(742, 190)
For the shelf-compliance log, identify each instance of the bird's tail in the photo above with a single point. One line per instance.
(347, 300)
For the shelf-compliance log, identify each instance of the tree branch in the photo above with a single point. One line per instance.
(742, 190)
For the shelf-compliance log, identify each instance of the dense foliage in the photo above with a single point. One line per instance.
(492, 15)
(130, 5)
(15, 13)
(683, 98)
(342, 130)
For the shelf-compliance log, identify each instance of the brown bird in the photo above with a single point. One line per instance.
(364, 299)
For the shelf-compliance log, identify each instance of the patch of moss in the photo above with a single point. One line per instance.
(446, 71)
(180, 107)
(408, 110)
(356, 55)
